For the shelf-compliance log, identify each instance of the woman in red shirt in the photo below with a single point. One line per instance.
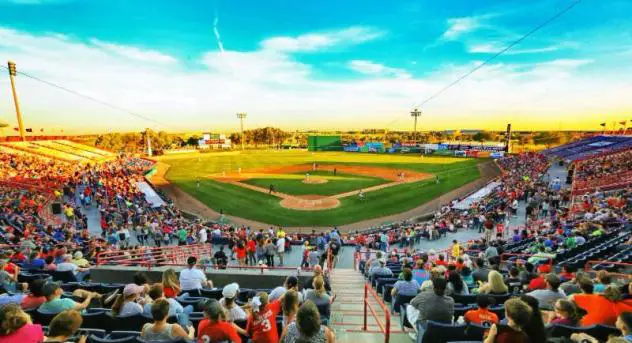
(170, 283)
(240, 251)
(262, 326)
(214, 327)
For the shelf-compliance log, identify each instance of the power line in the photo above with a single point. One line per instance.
(88, 97)
(493, 57)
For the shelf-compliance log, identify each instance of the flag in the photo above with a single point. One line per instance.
(603, 124)
(29, 130)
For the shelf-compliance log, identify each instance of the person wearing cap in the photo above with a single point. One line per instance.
(381, 270)
(193, 279)
(68, 265)
(125, 305)
(291, 283)
(214, 327)
(34, 298)
(80, 261)
(547, 297)
(233, 311)
(55, 304)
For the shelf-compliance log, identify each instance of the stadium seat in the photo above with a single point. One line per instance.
(196, 318)
(123, 334)
(464, 299)
(559, 330)
(602, 332)
(64, 277)
(88, 331)
(401, 300)
(475, 332)
(442, 332)
(94, 318)
(131, 323)
(193, 301)
(43, 318)
(96, 339)
(212, 293)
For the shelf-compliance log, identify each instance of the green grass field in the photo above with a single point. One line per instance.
(293, 183)
(245, 203)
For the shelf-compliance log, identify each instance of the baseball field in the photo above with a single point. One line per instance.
(299, 188)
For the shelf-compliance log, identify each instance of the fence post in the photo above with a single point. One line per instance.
(366, 299)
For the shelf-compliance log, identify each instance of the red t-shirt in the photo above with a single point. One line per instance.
(169, 292)
(251, 246)
(481, 316)
(241, 253)
(537, 283)
(217, 332)
(264, 329)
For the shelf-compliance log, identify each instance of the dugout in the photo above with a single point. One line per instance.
(324, 143)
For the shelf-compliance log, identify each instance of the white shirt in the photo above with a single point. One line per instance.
(281, 245)
(67, 266)
(191, 279)
(234, 313)
(202, 235)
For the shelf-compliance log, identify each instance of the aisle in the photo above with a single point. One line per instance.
(347, 311)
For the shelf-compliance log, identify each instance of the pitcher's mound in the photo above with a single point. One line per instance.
(315, 180)
(310, 203)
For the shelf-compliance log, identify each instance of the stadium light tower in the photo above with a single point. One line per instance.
(12, 73)
(415, 113)
(242, 116)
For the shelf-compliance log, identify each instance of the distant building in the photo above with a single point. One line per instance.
(462, 132)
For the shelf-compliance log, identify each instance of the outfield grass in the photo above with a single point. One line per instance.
(238, 201)
(293, 183)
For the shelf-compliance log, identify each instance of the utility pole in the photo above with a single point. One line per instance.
(415, 113)
(242, 116)
(12, 74)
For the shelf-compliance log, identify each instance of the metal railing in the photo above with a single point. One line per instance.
(589, 265)
(385, 327)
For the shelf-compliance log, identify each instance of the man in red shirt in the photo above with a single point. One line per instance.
(214, 328)
(481, 316)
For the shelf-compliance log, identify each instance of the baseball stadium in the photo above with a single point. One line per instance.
(217, 172)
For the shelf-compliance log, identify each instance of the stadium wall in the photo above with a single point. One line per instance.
(324, 143)
(245, 278)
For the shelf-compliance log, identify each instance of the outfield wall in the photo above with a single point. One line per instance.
(324, 143)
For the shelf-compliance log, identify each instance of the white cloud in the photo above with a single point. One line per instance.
(376, 69)
(317, 41)
(459, 26)
(494, 47)
(134, 53)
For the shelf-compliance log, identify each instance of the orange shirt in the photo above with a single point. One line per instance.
(601, 310)
(481, 316)
(217, 332)
(264, 328)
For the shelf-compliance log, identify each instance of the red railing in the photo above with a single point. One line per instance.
(589, 264)
(385, 327)
(172, 256)
(169, 255)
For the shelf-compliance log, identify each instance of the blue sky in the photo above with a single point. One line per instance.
(322, 64)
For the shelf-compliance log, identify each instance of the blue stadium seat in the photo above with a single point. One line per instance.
(442, 332)
(123, 334)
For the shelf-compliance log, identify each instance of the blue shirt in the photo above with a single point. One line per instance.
(420, 275)
(6, 299)
(58, 305)
(408, 288)
(37, 263)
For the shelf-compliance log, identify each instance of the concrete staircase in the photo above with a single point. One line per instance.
(347, 312)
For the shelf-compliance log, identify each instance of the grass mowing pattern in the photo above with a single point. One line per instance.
(293, 183)
(238, 201)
